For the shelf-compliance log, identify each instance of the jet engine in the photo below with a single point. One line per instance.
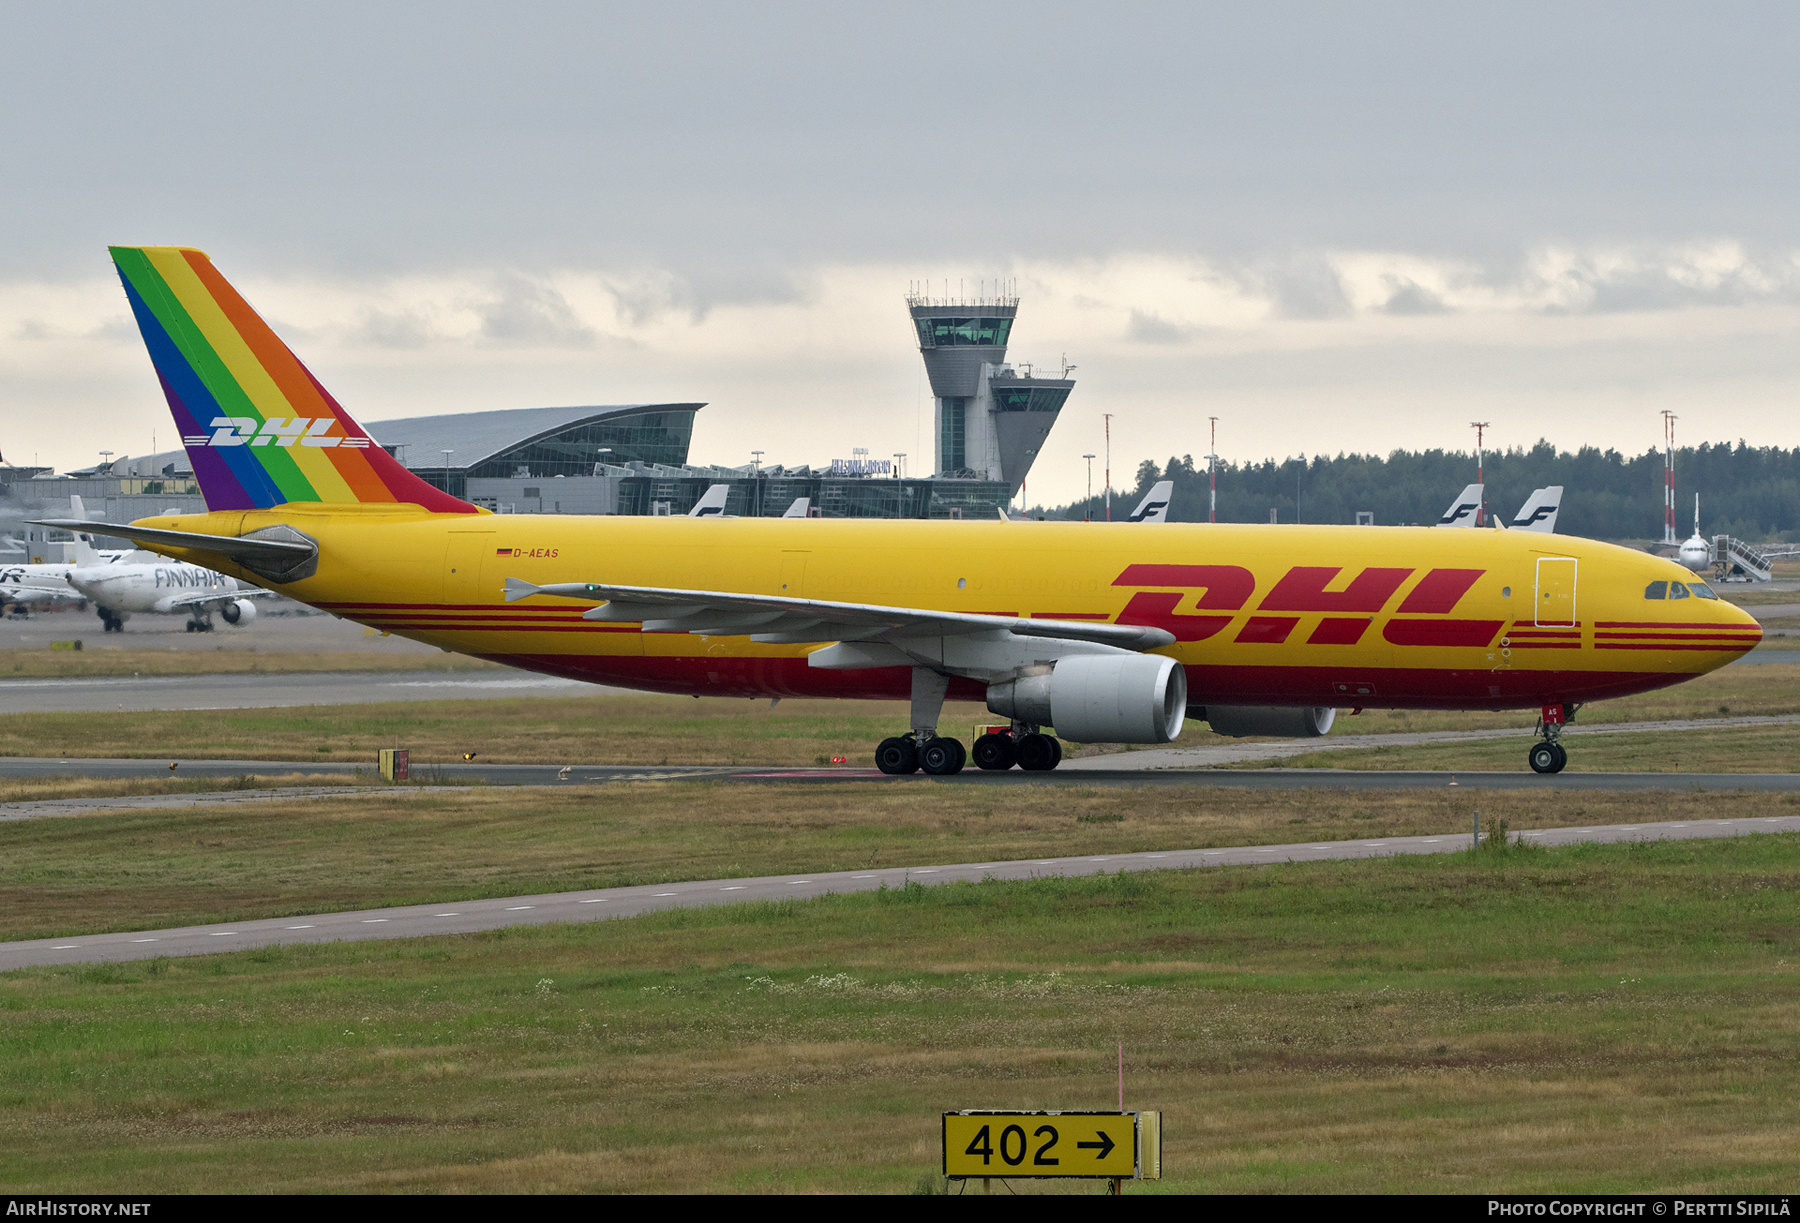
(239, 612)
(1276, 721)
(1100, 698)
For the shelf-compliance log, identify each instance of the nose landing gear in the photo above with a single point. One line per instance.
(1550, 756)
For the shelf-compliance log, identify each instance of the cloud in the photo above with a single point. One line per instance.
(1306, 290)
(1148, 328)
(527, 314)
(1409, 298)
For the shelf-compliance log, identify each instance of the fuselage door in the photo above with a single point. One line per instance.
(1555, 602)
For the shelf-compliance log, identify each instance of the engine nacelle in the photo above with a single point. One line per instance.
(239, 612)
(1100, 698)
(1275, 721)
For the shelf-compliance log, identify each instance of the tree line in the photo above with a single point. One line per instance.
(1752, 492)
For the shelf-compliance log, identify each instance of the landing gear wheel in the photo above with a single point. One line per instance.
(1548, 758)
(942, 757)
(897, 756)
(1039, 753)
(994, 752)
(1562, 756)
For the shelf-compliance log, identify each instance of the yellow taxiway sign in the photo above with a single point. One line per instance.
(1039, 1144)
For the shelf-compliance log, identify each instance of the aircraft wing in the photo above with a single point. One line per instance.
(776, 620)
(218, 598)
(24, 592)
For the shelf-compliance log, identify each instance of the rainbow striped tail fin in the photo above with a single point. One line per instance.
(258, 427)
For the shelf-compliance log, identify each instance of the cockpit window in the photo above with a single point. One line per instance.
(1677, 590)
(1702, 590)
(1656, 590)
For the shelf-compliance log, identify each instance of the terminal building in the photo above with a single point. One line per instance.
(990, 421)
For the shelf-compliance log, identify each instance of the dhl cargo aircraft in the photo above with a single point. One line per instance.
(1102, 632)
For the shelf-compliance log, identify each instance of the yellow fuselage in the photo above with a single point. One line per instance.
(1262, 615)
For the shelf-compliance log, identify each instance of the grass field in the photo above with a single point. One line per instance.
(135, 870)
(1590, 1019)
(660, 730)
(49, 664)
(1737, 749)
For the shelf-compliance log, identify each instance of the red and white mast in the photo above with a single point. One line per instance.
(1480, 427)
(1669, 477)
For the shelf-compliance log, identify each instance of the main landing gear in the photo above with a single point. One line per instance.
(110, 622)
(1549, 756)
(922, 748)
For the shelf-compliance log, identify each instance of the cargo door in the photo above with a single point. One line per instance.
(1555, 602)
(793, 575)
(467, 554)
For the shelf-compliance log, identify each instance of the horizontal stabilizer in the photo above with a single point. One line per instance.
(278, 553)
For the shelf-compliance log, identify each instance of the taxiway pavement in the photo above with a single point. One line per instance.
(467, 917)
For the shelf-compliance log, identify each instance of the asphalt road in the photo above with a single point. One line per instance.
(460, 774)
(99, 694)
(467, 917)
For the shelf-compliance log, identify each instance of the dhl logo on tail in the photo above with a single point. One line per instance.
(234, 388)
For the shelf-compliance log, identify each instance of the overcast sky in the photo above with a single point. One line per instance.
(1335, 227)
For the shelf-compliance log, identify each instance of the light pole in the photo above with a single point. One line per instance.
(1109, 417)
(1668, 476)
(447, 455)
(899, 464)
(1090, 486)
(756, 460)
(1212, 474)
(1480, 427)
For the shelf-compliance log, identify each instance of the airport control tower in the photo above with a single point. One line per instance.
(991, 420)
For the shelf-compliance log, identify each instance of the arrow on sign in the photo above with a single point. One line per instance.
(1105, 1145)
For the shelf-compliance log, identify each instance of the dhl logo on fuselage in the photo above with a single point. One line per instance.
(1350, 610)
(280, 430)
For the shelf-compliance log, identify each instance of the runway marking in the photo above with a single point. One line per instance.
(299, 927)
(519, 908)
(220, 933)
(736, 887)
(370, 921)
(668, 893)
(1373, 844)
(1265, 851)
(1212, 853)
(792, 882)
(1156, 855)
(600, 901)
(1678, 825)
(862, 876)
(434, 915)
(1428, 841)
(929, 870)
(143, 940)
(66, 947)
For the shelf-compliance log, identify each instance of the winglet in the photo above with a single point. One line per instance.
(519, 588)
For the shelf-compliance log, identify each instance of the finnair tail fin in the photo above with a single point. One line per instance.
(1155, 505)
(1462, 511)
(1539, 511)
(259, 429)
(712, 505)
(84, 544)
(798, 508)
